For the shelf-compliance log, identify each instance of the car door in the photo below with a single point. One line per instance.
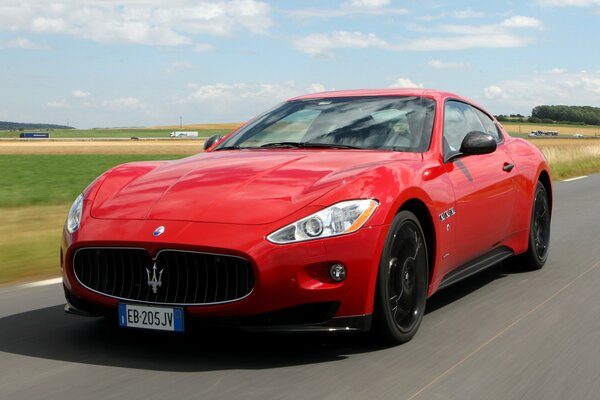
(483, 185)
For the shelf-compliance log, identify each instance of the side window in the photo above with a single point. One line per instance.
(456, 126)
(488, 124)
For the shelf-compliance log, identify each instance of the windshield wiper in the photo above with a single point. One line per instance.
(304, 145)
(235, 147)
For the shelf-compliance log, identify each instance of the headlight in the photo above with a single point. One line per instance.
(74, 217)
(338, 219)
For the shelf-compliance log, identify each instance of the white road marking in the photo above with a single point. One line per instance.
(503, 331)
(575, 179)
(42, 283)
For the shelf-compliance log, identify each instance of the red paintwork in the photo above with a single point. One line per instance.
(227, 202)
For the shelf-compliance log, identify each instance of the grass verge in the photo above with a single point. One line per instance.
(35, 196)
(571, 161)
(55, 178)
(31, 250)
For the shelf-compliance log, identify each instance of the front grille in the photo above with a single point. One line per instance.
(187, 277)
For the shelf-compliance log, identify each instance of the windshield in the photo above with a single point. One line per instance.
(388, 123)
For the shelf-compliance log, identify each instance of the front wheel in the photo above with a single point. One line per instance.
(402, 281)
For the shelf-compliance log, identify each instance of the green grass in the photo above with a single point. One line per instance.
(31, 251)
(35, 194)
(116, 133)
(28, 179)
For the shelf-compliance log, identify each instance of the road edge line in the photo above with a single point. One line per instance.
(45, 282)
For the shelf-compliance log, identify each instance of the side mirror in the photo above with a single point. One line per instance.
(477, 143)
(211, 141)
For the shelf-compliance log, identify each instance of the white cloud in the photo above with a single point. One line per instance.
(316, 88)
(203, 47)
(238, 101)
(368, 3)
(455, 37)
(461, 14)
(519, 21)
(57, 103)
(125, 102)
(321, 45)
(406, 83)
(351, 8)
(241, 91)
(571, 88)
(80, 93)
(468, 13)
(437, 64)
(22, 43)
(494, 92)
(557, 71)
(150, 22)
(568, 3)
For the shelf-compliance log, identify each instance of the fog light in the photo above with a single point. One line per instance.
(337, 272)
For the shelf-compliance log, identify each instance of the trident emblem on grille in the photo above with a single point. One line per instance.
(153, 281)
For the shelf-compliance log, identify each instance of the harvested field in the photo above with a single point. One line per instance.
(176, 146)
(201, 127)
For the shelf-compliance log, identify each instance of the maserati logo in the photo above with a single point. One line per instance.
(153, 281)
(158, 231)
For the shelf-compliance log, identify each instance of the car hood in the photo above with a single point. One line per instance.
(242, 187)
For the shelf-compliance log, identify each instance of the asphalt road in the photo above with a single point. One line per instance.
(499, 335)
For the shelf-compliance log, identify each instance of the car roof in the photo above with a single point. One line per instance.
(377, 92)
(440, 95)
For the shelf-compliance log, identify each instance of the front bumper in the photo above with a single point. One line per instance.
(290, 280)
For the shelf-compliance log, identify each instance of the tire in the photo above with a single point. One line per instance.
(402, 281)
(539, 234)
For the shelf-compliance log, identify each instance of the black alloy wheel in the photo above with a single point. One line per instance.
(402, 281)
(539, 234)
(539, 231)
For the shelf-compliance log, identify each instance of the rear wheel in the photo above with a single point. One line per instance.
(539, 233)
(402, 281)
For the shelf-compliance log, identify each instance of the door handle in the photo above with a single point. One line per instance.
(508, 167)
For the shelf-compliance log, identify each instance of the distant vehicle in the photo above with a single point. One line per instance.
(34, 135)
(543, 133)
(578, 136)
(336, 211)
(183, 134)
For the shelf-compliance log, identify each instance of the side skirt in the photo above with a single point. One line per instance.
(479, 264)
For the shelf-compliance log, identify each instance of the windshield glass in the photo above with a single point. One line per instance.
(389, 123)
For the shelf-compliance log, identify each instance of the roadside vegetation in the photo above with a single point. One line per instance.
(571, 159)
(35, 196)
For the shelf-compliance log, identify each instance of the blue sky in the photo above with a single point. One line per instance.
(105, 63)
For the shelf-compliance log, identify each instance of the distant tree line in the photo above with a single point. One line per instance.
(19, 126)
(570, 115)
(575, 114)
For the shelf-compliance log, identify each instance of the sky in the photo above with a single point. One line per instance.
(108, 63)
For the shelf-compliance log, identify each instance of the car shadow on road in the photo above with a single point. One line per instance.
(51, 334)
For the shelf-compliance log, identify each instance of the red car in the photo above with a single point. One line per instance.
(338, 211)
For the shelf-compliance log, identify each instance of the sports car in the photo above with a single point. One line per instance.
(335, 211)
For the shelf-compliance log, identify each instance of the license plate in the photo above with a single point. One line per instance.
(150, 317)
